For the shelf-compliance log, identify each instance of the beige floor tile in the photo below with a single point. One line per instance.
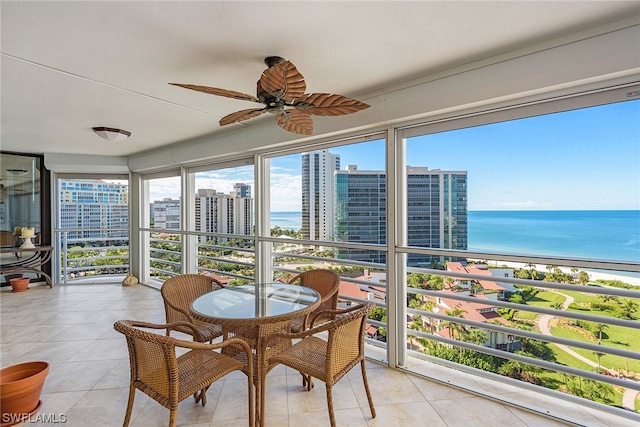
(101, 407)
(407, 414)
(82, 331)
(71, 326)
(433, 390)
(534, 420)
(55, 352)
(276, 396)
(229, 399)
(77, 376)
(386, 386)
(102, 350)
(475, 411)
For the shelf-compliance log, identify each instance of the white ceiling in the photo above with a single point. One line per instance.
(68, 66)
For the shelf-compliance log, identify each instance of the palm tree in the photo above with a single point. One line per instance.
(521, 371)
(598, 356)
(628, 308)
(456, 328)
(574, 272)
(583, 277)
(598, 328)
(476, 336)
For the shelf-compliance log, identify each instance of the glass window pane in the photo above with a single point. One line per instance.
(224, 205)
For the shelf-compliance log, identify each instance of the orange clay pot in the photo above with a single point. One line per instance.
(20, 284)
(20, 388)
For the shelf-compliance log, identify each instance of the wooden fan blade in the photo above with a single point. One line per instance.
(327, 104)
(220, 92)
(295, 121)
(283, 81)
(242, 115)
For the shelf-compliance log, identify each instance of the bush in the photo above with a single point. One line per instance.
(600, 306)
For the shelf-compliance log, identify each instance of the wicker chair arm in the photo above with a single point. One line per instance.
(193, 345)
(179, 309)
(329, 311)
(293, 278)
(296, 335)
(167, 326)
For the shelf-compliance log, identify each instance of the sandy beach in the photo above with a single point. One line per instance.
(593, 274)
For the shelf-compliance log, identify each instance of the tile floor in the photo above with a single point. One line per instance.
(71, 327)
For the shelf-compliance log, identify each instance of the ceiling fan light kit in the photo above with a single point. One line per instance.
(281, 89)
(111, 134)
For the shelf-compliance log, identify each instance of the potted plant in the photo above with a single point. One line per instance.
(20, 284)
(20, 389)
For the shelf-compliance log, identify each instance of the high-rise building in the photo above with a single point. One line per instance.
(242, 190)
(436, 211)
(92, 205)
(318, 209)
(225, 213)
(166, 214)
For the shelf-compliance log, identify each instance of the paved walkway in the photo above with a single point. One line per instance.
(629, 395)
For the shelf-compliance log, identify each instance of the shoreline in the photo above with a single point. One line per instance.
(593, 274)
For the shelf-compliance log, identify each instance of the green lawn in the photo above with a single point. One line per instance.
(615, 336)
(555, 380)
(546, 299)
(542, 299)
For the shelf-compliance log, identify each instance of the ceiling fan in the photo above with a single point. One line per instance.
(281, 89)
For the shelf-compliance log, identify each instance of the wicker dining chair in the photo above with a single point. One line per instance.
(169, 379)
(178, 292)
(327, 284)
(327, 360)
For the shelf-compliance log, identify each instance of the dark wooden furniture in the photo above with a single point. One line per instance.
(16, 260)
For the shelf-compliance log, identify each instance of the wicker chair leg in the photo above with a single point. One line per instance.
(307, 381)
(173, 416)
(366, 388)
(332, 417)
(252, 404)
(203, 396)
(260, 393)
(127, 415)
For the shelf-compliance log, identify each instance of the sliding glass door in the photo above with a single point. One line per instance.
(92, 227)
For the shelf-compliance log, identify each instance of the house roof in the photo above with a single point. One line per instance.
(487, 285)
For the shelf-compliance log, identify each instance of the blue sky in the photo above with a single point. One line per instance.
(585, 159)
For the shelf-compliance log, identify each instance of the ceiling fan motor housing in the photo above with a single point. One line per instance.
(273, 60)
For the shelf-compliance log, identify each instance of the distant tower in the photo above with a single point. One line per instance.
(166, 214)
(225, 213)
(242, 189)
(436, 211)
(94, 204)
(318, 168)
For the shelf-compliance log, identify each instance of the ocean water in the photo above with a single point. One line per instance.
(607, 235)
(612, 235)
(287, 220)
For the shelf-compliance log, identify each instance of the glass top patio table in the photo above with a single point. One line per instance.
(253, 313)
(274, 300)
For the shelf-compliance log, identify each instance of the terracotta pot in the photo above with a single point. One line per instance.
(20, 284)
(20, 388)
